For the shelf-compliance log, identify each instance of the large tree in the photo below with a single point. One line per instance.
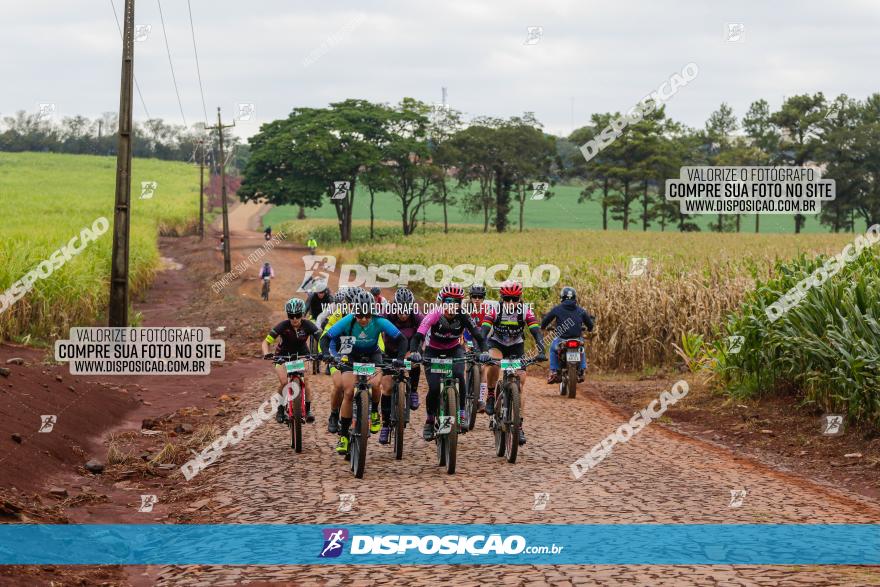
(799, 122)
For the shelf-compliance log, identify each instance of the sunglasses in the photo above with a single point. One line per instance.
(295, 316)
(478, 297)
(451, 301)
(362, 316)
(510, 298)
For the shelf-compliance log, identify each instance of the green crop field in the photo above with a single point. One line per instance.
(47, 199)
(560, 211)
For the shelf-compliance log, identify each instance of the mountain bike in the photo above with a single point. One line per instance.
(569, 352)
(360, 424)
(265, 293)
(313, 349)
(507, 419)
(400, 388)
(473, 377)
(294, 395)
(446, 425)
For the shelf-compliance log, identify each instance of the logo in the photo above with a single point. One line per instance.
(48, 422)
(638, 266)
(142, 32)
(148, 188)
(832, 425)
(318, 270)
(534, 34)
(541, 501)
(147, 503)
(333, 542)
(735, 32)
(246, 111)
(45, 110)
(539, 188)
(340, 190)
(736, 497)
(346, 500)
(734, 343)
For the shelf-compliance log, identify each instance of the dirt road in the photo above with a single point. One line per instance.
(657, 477)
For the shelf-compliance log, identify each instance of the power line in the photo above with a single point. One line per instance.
(198, 69)
(136, 84)
(168, 51)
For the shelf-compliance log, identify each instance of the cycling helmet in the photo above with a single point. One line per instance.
(511, 288)
(568, 293)
(351, 293)
(341, 295)
(363, 302)
(477, 290)
(404, 296)
(375, 291)
(266, 264)
(295, 306)
(451, 290)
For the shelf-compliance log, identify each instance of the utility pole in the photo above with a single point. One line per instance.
(227, 260)
(118, 311)
(100, 126)
(202, 191)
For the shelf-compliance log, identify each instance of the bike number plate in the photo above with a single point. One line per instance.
(407, 364)
(444, 424)
(511, 364)
(364, 369)
(295, 366)
(442, 366)
(572, 356)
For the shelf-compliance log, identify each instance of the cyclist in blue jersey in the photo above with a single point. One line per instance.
(355, 339)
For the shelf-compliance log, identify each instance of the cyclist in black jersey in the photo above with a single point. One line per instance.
(294, 336)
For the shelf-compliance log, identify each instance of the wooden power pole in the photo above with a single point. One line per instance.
(227, 259)
(202, 191)
(118, 311)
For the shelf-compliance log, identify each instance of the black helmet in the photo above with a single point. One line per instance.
(568, 293)
(375, 291)
(404, 296)
(363, 302)
(478, 290)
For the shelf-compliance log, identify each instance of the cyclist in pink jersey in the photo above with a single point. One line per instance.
(441, 331)
(504, 329)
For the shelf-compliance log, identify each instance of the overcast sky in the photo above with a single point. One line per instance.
(279, 54)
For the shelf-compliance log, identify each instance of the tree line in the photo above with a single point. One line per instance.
(416, 151)
(841, 136)
(85, 136)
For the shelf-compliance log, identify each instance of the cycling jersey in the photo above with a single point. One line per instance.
(444, 333)
(264, 272)
(315, 304)
(507, 326)
(362, 340)
(406, 327)
(293, 340)
(478, 314)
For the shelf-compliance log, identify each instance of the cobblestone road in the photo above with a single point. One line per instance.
(657, 477)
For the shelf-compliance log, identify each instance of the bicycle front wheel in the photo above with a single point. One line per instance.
(473, 396)
(399, 407)
(451, 444)
(294, 415)
(361, 432)
(512, 419)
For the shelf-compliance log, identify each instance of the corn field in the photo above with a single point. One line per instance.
(47, 199)
(691, 283)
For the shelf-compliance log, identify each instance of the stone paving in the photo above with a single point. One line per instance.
(657, 477)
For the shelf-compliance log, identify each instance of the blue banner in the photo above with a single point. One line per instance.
(441, 544)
